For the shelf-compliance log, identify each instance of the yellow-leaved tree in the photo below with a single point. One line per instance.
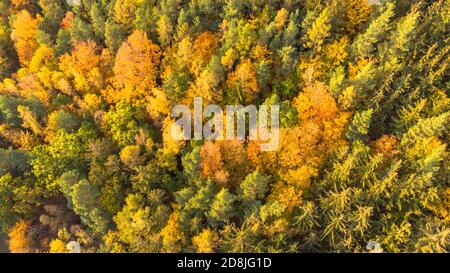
(206, 241)
(303, 148)
(172, 235)
(23, 34)
(82, 65)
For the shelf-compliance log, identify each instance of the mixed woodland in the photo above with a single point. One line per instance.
(88, 163)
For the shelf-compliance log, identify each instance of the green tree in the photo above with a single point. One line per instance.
(359, 128)
(7, 215)
(222, 208)
(98, 21)
(123, 123)
(319, 30)
(63, 120)
(365, 43)
(255, 186)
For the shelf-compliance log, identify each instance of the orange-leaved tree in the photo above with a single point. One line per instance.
(135, 68)
(23, 34)
(19, 241)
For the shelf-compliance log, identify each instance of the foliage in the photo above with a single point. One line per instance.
(87, 157)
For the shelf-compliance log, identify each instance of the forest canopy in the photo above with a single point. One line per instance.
(87, 162)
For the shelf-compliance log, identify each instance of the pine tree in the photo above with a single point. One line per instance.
(98, 21)
(365, 44)
(359, 128)
(319, 31)
(255, 186)
(221, 208)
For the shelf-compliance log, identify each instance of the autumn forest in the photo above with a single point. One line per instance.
(88, 163)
